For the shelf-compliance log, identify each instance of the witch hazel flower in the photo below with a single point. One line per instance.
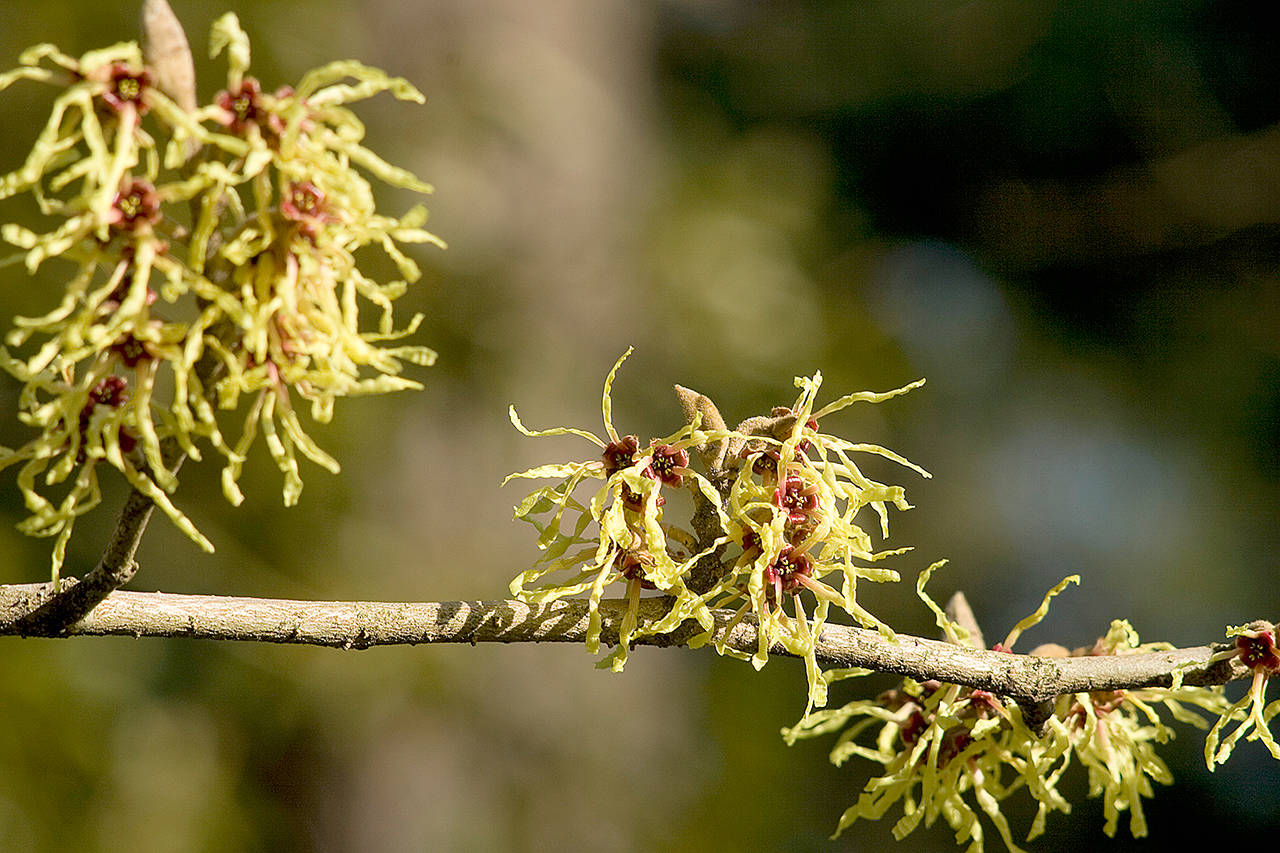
(945, 752)
(248, 112)
(126, 88)
(619, 534)
(795, 504)
(1114, 734)
(773, 532)
(797, 499)
(1254, 648)
(136, 206)
(210, 259)
(669, 464)
(957, 753)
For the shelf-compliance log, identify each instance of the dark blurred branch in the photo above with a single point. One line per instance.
(363, 624)
(1191, 198)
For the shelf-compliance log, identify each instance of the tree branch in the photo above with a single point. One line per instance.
(1026, 679)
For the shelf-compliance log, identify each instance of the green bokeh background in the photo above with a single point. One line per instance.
(1062, 213)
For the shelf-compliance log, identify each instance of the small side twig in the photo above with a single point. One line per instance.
(959, 611)
(52, 612)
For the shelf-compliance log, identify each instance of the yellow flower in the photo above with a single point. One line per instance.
(631, 543)
(794, 508)
(259, 299)
(783, 506)
(1255, 647)
(953, 752)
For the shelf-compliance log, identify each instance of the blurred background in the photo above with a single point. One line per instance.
(1063, 214)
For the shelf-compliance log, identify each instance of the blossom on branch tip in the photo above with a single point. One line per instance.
(1255, 648)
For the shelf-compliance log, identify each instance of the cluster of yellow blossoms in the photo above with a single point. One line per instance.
(956, 752)
(777, 522)
(212, 267)
(786, 502)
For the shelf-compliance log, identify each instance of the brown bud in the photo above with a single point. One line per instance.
(164, 45)
(700, 405)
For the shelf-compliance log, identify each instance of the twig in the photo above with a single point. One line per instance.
(363, 624)
(51, 612)
(959, 611)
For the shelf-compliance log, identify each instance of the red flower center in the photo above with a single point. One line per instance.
(620, 454)
(136, 205)
(669, 464)
(304, 200)
(796, 498)
(785, 572)
(109, 391)
(131, 350)
(1259, 653)
(126, 86)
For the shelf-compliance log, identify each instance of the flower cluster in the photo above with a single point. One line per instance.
(1255, 648)
(795, 504)
(212, 267)
(956, 752)
(1114, 733)
(777, 536)
(631, 544)
(780, 505)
